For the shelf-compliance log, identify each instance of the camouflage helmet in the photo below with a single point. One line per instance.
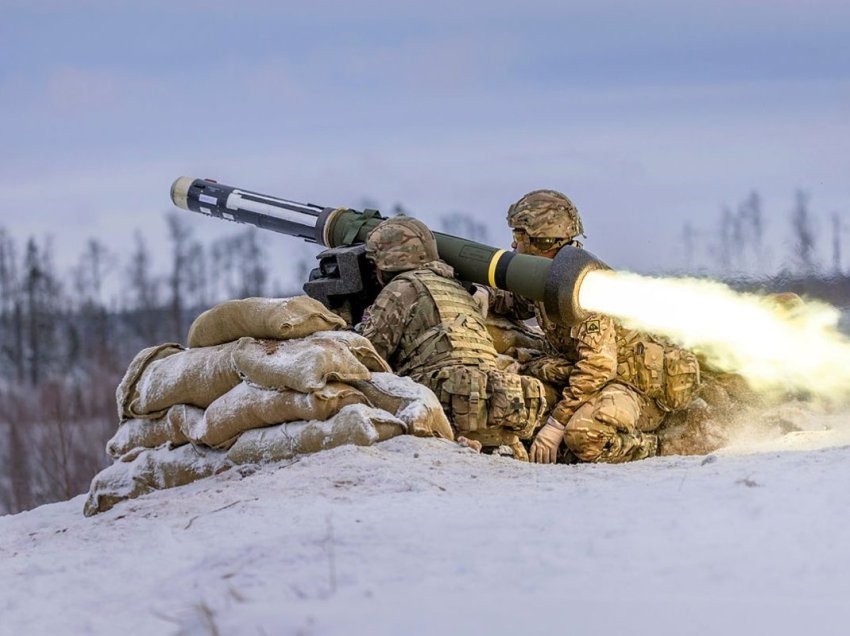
(546, 214)
(401, 243)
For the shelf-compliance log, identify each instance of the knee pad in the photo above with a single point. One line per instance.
(587, 437)
(589, 444)
(617, 409)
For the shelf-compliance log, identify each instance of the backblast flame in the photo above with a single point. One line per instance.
(777, 346)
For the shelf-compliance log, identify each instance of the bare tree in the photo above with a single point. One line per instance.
(92, 331)
(726, 247)
(836, 242)
(689, 243)
(144, 292)
(43, 308)
(240, 267)
(180, 234)
(255, 273)
(91, 272)
(751, 221)
(197, 277)
(17, 481)
(803, 234)
(460, 224)
(11, 308)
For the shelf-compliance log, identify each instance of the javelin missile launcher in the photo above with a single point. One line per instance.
(344, 279)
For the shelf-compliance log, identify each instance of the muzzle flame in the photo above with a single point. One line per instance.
(778, 348)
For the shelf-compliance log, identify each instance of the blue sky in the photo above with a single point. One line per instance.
(647, 114)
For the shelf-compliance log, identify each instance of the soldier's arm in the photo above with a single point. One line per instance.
(596, 345)
(505, 303)
(385, 319)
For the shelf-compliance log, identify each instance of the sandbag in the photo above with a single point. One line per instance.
(139, 433)
(246, 407)
(277, 318)
(126, 392)
(141, 472)
(195, 376)
(354, 424)
(360, 346)
(412, 403)
(303, 365)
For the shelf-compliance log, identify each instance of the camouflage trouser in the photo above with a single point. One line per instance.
(614, 426)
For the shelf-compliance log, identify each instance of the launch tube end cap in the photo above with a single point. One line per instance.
(180, 191)
(561, 291)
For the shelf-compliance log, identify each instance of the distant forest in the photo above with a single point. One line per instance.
(64, 345)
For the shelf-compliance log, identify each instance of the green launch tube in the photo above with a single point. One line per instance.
(555, 282)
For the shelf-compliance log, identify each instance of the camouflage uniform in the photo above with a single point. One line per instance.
(427, 326)
(620, 383)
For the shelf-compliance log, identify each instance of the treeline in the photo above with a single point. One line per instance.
(66, 339)
(745, 240)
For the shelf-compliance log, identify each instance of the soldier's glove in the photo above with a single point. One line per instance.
(544, 448)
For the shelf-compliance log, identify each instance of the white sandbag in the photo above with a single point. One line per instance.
(146, 470)
(361, 347)
(276, 318)
(303, 365)
(195, 376)
(139, 433)
(246, 407)
(354, 424)
(412, 403)
(126, 393)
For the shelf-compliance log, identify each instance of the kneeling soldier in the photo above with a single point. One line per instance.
(427, 326)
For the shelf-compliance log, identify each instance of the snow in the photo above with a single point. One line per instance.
(421, 536)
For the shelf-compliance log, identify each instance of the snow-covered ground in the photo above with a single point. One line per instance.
(418, 536)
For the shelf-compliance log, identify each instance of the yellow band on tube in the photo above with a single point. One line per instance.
(491, 274)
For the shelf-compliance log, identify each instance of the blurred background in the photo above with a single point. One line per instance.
(704, 138)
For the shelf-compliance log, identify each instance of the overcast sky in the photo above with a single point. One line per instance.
(648, 114)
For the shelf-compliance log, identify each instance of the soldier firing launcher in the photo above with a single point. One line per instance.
(344, 276)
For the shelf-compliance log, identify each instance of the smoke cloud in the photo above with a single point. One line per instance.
(780, 346)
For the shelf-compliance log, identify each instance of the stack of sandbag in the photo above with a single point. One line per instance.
(262, 380)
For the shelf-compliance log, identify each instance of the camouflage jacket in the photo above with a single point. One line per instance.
(601, 350)
(424, 319)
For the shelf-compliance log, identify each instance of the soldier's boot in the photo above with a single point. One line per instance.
(648, 447)
(518, 450)
(513, 448)
(499, 442)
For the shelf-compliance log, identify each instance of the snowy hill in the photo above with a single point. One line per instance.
(418, 536)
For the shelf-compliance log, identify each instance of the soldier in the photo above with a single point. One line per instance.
(427, 326)
(619, 384)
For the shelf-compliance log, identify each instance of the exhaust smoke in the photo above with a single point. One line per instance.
(778, 347)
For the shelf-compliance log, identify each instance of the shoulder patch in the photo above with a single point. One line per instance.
(593, 326)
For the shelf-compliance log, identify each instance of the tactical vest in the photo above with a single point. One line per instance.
(459, 338)
(456, 358)
(662, 372)
(665, 373)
